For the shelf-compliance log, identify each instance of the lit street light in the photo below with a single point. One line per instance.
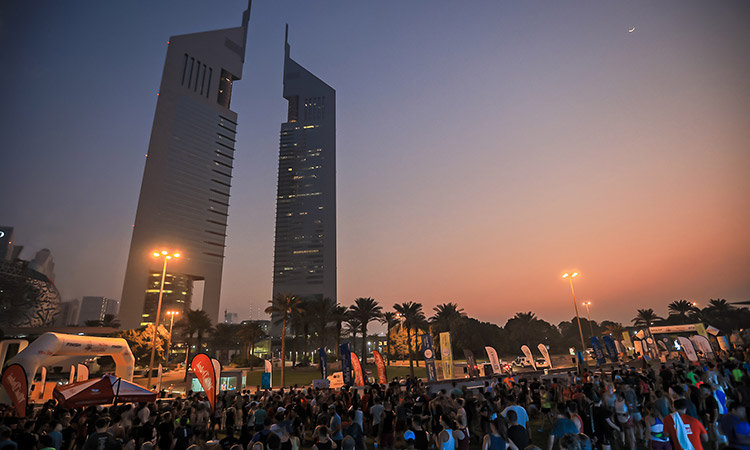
(570, 277)
(588, 312)
(166, 256)
(171, 315)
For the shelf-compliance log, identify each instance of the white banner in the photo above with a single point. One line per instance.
(687, 346)
(160, 372)
(702, 344)
(492, 354)
(82, 372)
(545, 353)
(217, 375)
(527, 353)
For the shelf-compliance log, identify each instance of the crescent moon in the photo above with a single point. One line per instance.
(631, 30)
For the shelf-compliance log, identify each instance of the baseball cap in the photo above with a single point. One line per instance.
(409, 435)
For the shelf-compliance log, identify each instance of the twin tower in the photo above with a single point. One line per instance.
(184, 199)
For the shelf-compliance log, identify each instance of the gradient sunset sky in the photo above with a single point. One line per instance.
(484, 147)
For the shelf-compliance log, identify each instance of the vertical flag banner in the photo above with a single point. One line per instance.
(17, 386)
(446, 355)
(72, 378)
(626, 339)
(359, 379)
(266, 378)
(638, 347)
(527, 353)
(702, 344)
(598, 351)
(323, 363)
(545, 353)
(689, 349)
(471, 363)
(82, 372)
(346, 364)
(160, 372)
(382, 375)
(217, 375)
(203, 368)
(492, 354)
(609, 344)
(701, 329)
(429, 357)
(723, 343)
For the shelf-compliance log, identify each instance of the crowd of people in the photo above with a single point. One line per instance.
(672, 407)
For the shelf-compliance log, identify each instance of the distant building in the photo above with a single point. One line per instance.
(305, 247)
(184, 199)
(95, 308)
(44, 263)
(68, 313)
(178, 290)
(28, 296)
(230, 317)
(6, 243)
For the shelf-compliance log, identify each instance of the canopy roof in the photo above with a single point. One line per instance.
(101, 391)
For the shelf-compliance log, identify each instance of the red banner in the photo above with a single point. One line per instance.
(203, 368)
(359, 380)
(15, 383)
(382, 377)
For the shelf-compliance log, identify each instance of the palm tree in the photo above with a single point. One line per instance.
(720, 306)
(445, 315)
(225, 337)
(283, 306)
(614, 328)
(250, 333)
(646, 318)
(681, 308)
(338, 317)
(195, 322)
(366, 310)
(320, 312)
(412, 318)
(353, 326)
(390, 319)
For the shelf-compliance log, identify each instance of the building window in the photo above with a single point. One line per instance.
(225, 88)
(208, 88)
(190, 77)
(184, 70)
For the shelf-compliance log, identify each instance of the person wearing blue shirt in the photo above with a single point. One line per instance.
(562, 426)
(735, 427)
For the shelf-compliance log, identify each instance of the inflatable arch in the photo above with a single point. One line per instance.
(55, 344)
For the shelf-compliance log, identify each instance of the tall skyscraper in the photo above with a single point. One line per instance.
(95, 308)
(184, 200)
(305, 247)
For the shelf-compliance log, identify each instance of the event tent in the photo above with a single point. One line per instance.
(101, 391)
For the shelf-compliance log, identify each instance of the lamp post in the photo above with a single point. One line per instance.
(570, 277)
(171, 315)
(588, 313)
(166, 256)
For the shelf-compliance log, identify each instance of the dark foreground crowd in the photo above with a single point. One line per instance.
(675, 407)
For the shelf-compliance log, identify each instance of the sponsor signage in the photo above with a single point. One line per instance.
(429, 357)
(382, 376)
(346, 364)
(203, 368)
(16, 385)
(446, 355)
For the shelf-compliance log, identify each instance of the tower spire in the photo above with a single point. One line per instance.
(245, 23)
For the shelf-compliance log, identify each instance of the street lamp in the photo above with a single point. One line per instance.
(166, 256)
(588, 312)
(570, 277)
(171, 315)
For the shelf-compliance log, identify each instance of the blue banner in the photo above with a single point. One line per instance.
(598, 351)
(609, 344)
(346, 364)
(323, 363)
(429, 357)
(265, 380)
